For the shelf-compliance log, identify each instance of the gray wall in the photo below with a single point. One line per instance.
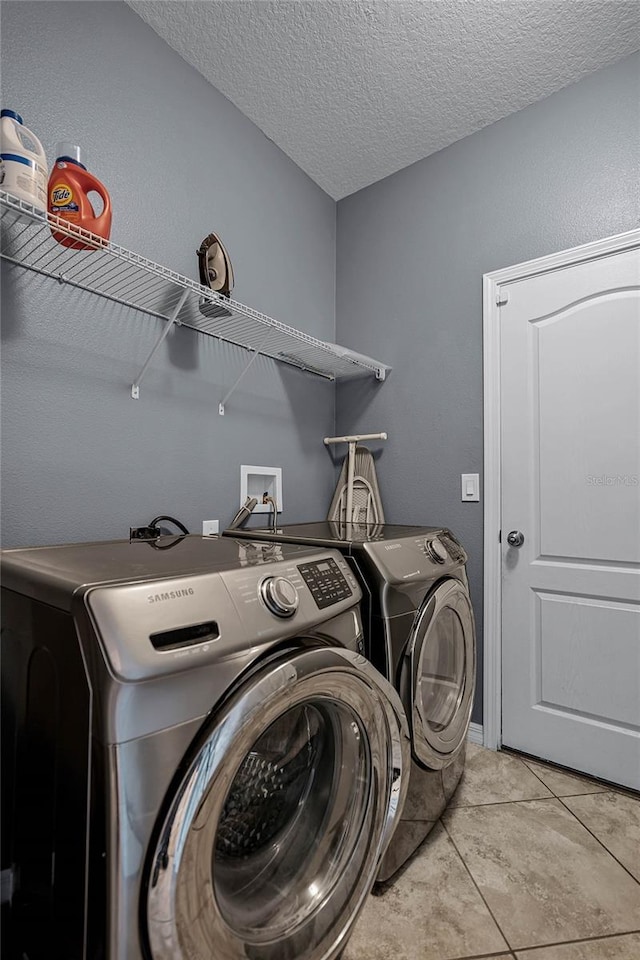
(81, 459)
(411, 253)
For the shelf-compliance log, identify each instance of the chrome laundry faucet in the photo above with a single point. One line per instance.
(274, 511)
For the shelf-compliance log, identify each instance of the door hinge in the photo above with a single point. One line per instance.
(502, 297)
(499, 536)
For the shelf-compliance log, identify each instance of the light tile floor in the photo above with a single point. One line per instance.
(528, 863)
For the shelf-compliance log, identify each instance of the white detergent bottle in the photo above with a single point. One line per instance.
(23, 164)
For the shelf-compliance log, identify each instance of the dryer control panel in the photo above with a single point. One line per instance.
(417, 559)
(326, 582)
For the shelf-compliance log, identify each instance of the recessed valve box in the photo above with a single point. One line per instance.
(256, 481)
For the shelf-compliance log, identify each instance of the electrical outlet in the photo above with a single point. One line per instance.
(210, 528)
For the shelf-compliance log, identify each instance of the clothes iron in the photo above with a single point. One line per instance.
(216, 273)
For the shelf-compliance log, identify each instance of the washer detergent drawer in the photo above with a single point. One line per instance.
(272, 840)
(161, 627)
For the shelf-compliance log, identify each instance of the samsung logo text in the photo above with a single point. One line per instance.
(170, 595)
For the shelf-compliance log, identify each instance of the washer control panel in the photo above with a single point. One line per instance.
(326, 581)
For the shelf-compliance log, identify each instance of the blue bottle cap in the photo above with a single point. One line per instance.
(12, 114)
(70, 160)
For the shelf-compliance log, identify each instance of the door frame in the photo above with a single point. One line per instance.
(492, 476)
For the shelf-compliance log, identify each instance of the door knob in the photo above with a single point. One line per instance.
(515, 538)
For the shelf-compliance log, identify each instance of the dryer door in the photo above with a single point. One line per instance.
(441, 661)
(273, 837)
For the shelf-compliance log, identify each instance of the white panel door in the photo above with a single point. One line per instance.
(570, 401)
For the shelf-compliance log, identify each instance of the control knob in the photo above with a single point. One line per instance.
(280, 596)
(436, 550)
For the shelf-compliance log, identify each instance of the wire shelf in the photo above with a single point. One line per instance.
(117, 274)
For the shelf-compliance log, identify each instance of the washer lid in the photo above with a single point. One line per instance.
(55, 574)
(336, 533)
(441, 659)
(272, 840)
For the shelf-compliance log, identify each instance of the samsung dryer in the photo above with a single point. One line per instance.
(200, 762)
(420, 634)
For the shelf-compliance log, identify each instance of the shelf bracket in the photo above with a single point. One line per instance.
(171, 319)
(232, 389)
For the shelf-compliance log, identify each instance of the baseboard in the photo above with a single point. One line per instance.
(475, 734)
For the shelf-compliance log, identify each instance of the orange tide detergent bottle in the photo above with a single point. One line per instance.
(70, 184)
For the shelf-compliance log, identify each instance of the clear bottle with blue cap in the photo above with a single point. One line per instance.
(23, 163)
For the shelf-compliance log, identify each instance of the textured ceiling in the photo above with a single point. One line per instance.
(355, 90)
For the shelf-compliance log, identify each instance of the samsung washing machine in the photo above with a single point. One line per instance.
(200, 764)
(420, 634)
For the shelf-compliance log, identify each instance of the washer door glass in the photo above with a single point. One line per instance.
(442, 662)
(292, 817)
(273, 839)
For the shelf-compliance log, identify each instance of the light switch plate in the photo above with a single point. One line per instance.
(470, 487)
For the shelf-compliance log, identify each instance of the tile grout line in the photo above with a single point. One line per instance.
(604, 847)
(558, 943)
(497, 803)
(488, 956)
(511, 952)
(540, 779)
(605, 786)
(482, 897)
(575, 816)
(582, 824)
(501, 803)
(566, 796)
(548, 946)
(565, 943)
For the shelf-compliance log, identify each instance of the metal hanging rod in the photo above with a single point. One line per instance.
(356, 438)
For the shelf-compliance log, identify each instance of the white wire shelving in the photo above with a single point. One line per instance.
(112, 272)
